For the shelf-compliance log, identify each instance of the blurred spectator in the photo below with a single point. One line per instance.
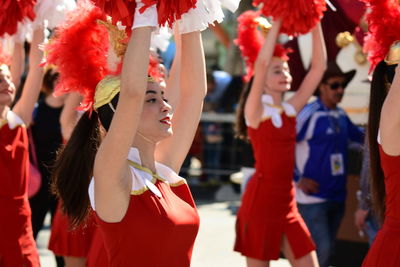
(323, 134)
(364, 218)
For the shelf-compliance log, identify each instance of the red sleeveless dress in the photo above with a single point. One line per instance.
(65, 241)
(385, 250)
(17, 246)
(160, 225)
(268, 210)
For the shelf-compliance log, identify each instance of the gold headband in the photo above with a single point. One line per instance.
(264, 25)
(108, 88)
(393, 56)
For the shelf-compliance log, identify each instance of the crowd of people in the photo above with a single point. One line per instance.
(95, 131)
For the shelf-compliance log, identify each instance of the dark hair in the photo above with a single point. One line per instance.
(49, 79)
(240, 127)
(381, 79)
(73, 168)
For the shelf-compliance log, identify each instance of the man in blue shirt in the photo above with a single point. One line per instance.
(324, 132)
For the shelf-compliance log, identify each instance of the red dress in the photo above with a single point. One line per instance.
(386, 247)
(160, 225)
(66, 242)
(17, 246)
(268, 210)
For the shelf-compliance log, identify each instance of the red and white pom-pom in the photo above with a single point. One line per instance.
(123, 10)
(383, 29)
(12, 12)
(80, 50)
(298, 16)
(250, 40)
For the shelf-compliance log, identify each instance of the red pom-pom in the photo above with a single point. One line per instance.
(80, 50)
(15, 11)
(124, 10)
(250, 41)
(383, 29)
(298, 16)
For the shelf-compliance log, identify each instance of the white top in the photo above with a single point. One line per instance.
(13, 120)
(270, 111)
(143, 180)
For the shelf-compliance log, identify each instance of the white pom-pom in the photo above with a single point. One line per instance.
(206, 12)
(52, 11)
(160, 39)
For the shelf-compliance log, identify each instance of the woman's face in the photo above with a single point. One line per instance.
(7, 88)
(155, 121)
(278, 76)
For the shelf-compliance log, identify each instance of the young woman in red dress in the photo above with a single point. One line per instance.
(17, 246)
(144, 210)
(268, 221)
(384, 136)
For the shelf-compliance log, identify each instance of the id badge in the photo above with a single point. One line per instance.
(337, 167)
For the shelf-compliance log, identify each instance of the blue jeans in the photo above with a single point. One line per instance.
(323, 221)
(371, 228)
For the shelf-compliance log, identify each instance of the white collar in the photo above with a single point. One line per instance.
(134, 155)
(13, 120)
(267, 99)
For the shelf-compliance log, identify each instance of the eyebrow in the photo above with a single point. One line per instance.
(153, 92)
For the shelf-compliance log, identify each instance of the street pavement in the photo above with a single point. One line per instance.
(214, 243)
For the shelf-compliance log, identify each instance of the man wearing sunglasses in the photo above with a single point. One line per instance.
(324, 132)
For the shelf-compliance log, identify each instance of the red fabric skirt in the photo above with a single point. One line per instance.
(66, 242)
(17, 246)
(269, 211)
(385, 250)
(97, 256)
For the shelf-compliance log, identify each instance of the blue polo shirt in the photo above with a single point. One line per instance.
(323, 137)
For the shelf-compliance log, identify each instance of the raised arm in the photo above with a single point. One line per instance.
(110, 162)
(253, 108)
(17, 63)
(69, 114)
(314, 75)
(172, 92)
(25, 105)
(390, 118)
(173, 150)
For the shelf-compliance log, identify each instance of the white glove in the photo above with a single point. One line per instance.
(148, 18)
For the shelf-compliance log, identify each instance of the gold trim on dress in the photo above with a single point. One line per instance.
(181, 182)
(139, 191)
(142, 168)
(3, 122)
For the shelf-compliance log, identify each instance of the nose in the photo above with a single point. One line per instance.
(166, 107)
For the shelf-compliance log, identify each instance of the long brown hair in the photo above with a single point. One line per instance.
(381, 80)
(73, 168)
(240, 125)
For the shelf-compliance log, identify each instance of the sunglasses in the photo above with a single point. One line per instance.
(337, 85)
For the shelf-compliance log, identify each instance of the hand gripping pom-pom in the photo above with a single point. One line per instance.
(124, 10)
(298, 16)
